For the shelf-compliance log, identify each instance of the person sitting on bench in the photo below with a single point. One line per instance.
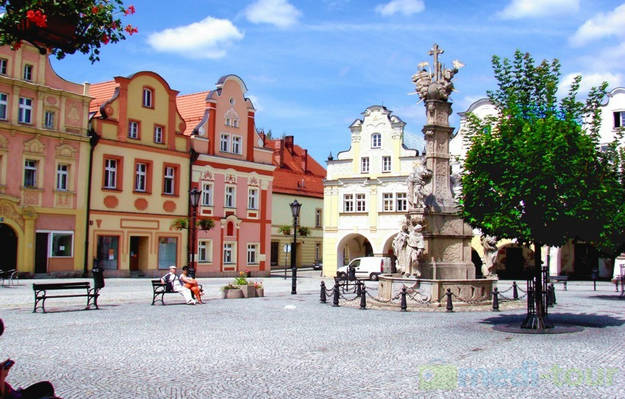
(191, 283)
(174, 284)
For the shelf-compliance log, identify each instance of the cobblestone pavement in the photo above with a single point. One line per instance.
(284, 346)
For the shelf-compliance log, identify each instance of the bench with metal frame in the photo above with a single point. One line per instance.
(160, 289)
(41, 293)
(559, 279)
(9, 277)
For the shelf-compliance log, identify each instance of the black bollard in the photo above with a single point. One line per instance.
(450, 305)
(323, 292)
(335, 300)
(404, 305)
(359, 290)
(553, 294)
(363, 298)
(496, 300)
(515, 291)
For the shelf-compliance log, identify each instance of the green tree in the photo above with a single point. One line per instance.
(534, 172)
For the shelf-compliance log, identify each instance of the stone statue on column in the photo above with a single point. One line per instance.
(417, 180)
(489, 243)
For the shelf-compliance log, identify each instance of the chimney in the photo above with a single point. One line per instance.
(281, 156)
(305, 161)
(288, 142)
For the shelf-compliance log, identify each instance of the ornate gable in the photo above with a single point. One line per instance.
(34, 146)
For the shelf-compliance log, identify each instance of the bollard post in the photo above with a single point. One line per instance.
(335, 300)
(363, 298)
(359, 290)
(496, 300)
(553, 294)
(323, 292)
(549, 296)
(450, 305)
(515, 291)
(404, 305)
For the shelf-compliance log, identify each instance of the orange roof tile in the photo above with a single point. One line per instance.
(101, 93)
(191, 108)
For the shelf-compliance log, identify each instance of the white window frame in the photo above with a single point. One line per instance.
(364, 165)
(229, 252)
(376, 140)
(207, 194)
(141, 177)
(28, 72)
(236, 144)
(148, 95)
(30, 167)
(318, 217)
(348, 202)
(619, 121)
(230, 197)
(401, 202)
(361, 202)
(388, 200)
(110, 173)
(48, 119)
(4, 106)
(252, 254)
(158, 134)
(169, 176)
(386, 163)
(133, 130)
(252, 198)
(62, 177)
(25, 110)
(52, 233)
(224, 142)
(3, 66)
(205, 251)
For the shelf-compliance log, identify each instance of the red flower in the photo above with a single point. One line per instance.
(37, 17)
(130, 29)
(129, 10)
(95, 9)
(105, 39)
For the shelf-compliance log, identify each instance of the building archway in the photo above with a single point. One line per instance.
(352, 246)
(513, 262)
(8, 247)
(477, 261)
(389, 251)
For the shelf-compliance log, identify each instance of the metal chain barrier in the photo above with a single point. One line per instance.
(469, 301)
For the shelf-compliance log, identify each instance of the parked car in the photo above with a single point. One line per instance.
(318, 266)
(368, 267)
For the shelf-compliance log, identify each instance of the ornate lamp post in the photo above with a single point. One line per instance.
(295, 208)
(194, 199)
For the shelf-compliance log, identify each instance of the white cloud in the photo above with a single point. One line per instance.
(257, 104)
(280, 13)
(406, 7)
(601, 25)
(207, 38)
(517, 9)
(588, 81)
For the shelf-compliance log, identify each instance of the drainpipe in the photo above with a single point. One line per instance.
(93, 141)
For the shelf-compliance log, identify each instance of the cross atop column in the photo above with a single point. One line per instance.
(435, 51)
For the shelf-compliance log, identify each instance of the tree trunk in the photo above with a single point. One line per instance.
(536, 318)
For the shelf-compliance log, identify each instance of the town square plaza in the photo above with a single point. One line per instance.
(293, 346)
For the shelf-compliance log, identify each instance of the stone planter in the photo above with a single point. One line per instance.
(233, 293)
(248, 291)
(260, 291)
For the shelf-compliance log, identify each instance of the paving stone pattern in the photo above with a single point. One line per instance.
(284, 346)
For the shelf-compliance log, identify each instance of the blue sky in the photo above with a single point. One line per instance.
(312, 66)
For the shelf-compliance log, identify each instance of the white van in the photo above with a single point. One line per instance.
(369, 267)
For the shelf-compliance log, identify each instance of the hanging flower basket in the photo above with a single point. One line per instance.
(205, 224)
(64, 27)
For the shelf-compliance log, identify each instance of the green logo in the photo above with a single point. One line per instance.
(438, 376)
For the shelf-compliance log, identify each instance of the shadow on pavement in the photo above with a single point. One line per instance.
(578, 319)
(615, 297)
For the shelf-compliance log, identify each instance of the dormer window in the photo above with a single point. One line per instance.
(376, 140)
(148, 97)
(28, 72)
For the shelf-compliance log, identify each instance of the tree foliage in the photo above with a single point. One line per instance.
(534, 172)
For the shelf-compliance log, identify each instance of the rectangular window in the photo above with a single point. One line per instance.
(364, 165)
(133, 129)
(48, 120)
(223, 142)
(386, 164)
(28, 72)
(361, 203)
(141, 174)
(108, 252)
(235, 122)
(619, 119)
(167, 252)
(207, 194)
(25, 110)
(3, 66)
(317, 217)
(376, 140)
(229, 200)
(158, 134)
(236, 144)
(387, 202)
(317, 253)
(228, 253)
(252, 198)
(4, 103)
(147, 98)
(401, 202)
(348, 203)
(205, 251)
(110, 173)
(61, 244)
(30, 173)
(62, 172)
(251, 254)
(169, 180)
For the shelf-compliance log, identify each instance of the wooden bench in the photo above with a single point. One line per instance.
(559, 279)
(41, 293)
(160, 289)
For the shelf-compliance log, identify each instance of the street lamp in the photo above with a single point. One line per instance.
(295, 208)
(194, 199)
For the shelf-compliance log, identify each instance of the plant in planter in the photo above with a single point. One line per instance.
(303, 231)
(241, 279)
(180, 223)
(205, 224)
(285, 229)
(260, 290)
(64, 27)
(231, 291)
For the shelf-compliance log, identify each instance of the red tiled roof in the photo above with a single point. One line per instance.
(290, 177)
(101, 93)
(191, 108)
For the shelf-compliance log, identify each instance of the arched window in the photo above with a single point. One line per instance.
(230, 229)
(148, 97)
(376, 140)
